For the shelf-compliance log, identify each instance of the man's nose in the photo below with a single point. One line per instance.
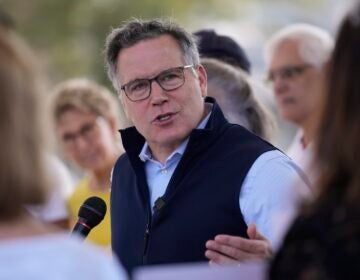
(279, 84)
(158, 95)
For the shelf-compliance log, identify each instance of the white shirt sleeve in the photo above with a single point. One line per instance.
(56, 256)
(268, 191)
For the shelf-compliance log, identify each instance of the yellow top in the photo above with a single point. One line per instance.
(100, 234)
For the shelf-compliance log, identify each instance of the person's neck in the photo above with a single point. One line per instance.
(100, 179)
(308, 127)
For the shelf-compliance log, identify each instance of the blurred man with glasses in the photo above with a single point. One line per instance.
(187, 174)
(296, 58)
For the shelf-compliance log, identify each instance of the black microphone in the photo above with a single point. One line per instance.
(91, 213)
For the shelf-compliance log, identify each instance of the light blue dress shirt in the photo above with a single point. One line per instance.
(265, 193)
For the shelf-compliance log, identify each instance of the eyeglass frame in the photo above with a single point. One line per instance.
(88, 128)
(150, 81)
(288, 72)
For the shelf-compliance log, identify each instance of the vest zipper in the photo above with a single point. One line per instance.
(146, 241)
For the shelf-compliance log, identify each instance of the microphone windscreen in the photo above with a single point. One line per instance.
(92, 211)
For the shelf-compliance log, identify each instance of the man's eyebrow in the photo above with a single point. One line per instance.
(150, 76)
(136, 79)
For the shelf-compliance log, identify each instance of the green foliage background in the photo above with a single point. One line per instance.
(68, 35)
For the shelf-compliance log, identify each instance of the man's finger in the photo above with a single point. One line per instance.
(253, 233)
(231, 251)
(244, 244)
(217, 258)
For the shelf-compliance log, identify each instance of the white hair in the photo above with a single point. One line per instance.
(315, 44)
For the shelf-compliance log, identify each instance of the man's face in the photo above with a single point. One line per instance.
(165, 118)
(297, 85)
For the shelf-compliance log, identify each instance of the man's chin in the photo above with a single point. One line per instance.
(168, 140)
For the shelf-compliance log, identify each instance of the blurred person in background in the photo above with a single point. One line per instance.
(54, 209)
(221, 47)
(235, 94)
(324, 241)
(86, 119)
(296, 58)
(30, 248)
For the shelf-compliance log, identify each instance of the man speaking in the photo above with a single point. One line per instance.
(187, 174)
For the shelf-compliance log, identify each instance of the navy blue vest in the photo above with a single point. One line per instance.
(201, 200)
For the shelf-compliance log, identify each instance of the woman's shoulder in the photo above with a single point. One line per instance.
(66, 255)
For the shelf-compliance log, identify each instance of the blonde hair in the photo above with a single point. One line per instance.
(22, 179)
(86, 96)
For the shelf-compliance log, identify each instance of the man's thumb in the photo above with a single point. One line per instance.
(253, 233)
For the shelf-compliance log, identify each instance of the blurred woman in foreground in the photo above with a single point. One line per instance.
(30, 249)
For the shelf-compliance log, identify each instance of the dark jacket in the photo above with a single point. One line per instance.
(201, 200)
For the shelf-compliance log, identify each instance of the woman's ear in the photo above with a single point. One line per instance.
(114, 124)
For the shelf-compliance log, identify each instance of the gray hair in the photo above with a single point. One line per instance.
(136, 31)
(235, 94)
(315, 44)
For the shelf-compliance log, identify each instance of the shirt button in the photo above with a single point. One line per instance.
(163, 171)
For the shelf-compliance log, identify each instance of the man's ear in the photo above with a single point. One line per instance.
(202, 77)
(123, 105)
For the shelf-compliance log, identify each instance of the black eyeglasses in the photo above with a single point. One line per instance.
(287, 72)
(169, 79)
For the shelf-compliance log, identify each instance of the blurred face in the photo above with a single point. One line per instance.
(88, 140)
(297, 85)
(165, 118)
